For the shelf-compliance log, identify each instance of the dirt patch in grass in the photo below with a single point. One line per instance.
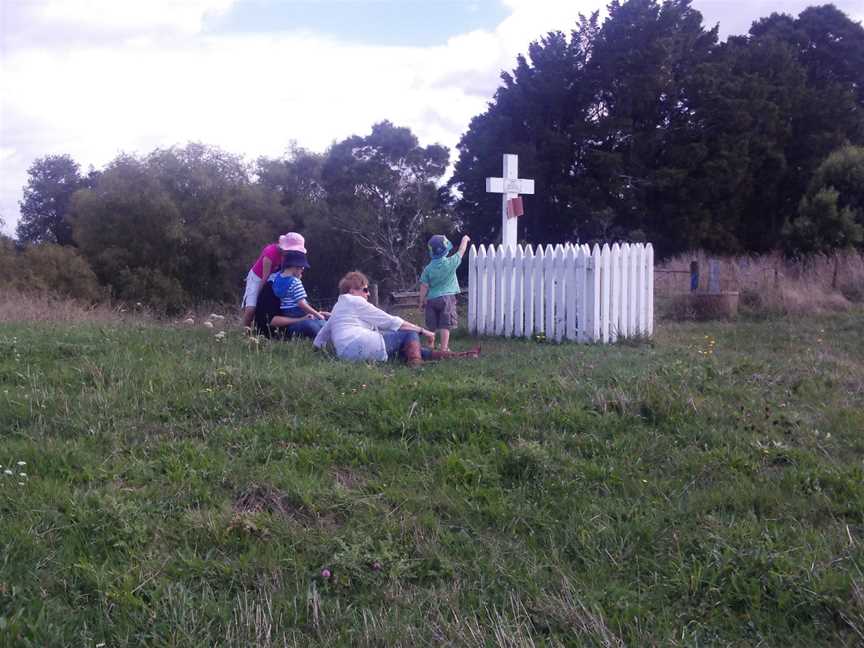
(348, 479)
(260, 498)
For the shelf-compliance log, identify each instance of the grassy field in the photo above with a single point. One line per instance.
(171, 489)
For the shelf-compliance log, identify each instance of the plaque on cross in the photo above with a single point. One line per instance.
(510, 186)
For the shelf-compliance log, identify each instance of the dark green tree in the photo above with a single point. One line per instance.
(831, 215)
(52, 181)
(829, 109)
(382, 190)
(225, 217)
(132, 234)
(296, 180)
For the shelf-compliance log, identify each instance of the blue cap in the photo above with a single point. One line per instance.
(294, 259)
(439, 246)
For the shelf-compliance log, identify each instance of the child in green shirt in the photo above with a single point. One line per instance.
(439, 287)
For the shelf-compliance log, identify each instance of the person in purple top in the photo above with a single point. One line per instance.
(269, 261)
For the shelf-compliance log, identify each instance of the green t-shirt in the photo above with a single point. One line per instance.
(440, 276)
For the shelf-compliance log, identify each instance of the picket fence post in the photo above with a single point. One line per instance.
(539, 259)
(640, 298)
(558, 273)
(489, 322)
(581, 295)
(507, 291)
(518, 296)
(649, 267)
(570, 311)
(605, 292)
(614, 291)
(549, 291)
(472, 290)
(528, 288)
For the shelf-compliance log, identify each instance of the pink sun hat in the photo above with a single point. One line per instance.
(292, 241)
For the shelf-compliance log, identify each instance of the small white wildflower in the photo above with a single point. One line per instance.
(208, 324)
(22, 474)
(7, 472)
(20, 483)
(22, 463)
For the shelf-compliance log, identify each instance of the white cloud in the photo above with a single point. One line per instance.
(92, 78)
(129, 16)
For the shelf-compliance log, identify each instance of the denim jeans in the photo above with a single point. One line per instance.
(394, 341)
(305, 328)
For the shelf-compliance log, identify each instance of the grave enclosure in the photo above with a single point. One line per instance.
(564, 292)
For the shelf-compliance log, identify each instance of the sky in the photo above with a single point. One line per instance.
(96, 78)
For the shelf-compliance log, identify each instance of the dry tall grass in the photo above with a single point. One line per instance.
(21, 306)
(38, 306)
(772, 284)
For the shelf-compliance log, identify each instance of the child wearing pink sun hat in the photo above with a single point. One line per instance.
(269, 261)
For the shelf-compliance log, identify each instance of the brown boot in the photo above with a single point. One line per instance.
(446, 355)
(411, 353)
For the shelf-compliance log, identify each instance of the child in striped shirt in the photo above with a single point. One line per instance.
(296, 314)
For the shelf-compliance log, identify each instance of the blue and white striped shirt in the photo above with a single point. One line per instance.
(289, 290)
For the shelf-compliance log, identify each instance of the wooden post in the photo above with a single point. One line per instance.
(373, 294)
(694, 276)
(713, 277)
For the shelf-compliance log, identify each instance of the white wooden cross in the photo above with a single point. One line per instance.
(510, 186)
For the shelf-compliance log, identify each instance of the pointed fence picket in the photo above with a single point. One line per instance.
(565, 292)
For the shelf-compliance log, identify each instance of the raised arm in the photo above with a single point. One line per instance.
(463, 246)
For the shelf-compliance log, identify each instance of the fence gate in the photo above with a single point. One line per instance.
(566, 292)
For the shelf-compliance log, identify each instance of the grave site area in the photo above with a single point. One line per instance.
(170, 486)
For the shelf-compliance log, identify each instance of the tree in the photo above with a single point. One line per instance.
(52, 181)
(382, 190)
(225, 217)
(296, 180)
(843, 171)
(831, 215)
(131, 232)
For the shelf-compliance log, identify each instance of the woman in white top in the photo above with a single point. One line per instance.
(360, 331)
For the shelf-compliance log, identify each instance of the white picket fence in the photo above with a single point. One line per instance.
(566, 292)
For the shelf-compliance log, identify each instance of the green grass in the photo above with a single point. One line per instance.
(706, 488)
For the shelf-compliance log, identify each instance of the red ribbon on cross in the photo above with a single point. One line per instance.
(515, 207)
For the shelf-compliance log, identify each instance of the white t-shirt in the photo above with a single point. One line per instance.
(353, 329)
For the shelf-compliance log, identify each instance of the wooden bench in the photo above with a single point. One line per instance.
(407, 299)
(401, 299)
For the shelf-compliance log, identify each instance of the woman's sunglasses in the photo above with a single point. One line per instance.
(365, 289)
